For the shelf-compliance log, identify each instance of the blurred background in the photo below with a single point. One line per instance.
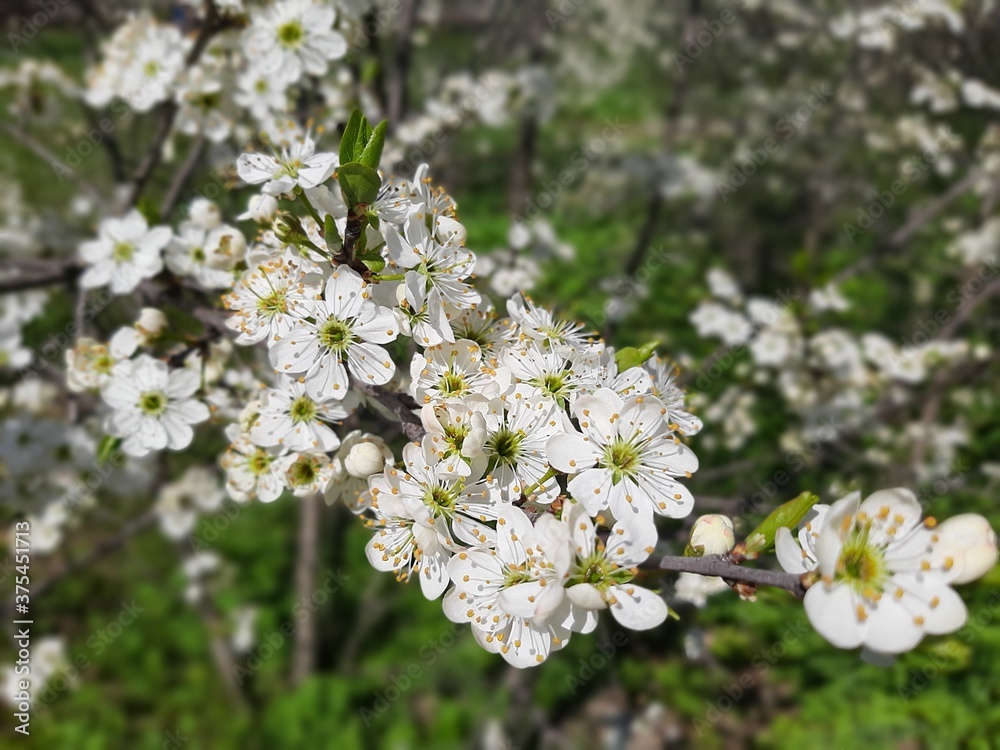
(796, 199)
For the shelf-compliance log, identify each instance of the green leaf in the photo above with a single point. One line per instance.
(630, 356)
(787, 515)
(352, 133)
(359, 183)
(108, 446)
(372, 153)
(373, 259)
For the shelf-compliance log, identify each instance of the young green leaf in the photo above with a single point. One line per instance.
(359, 183)
(372, 153)
(355, 137)
(107, 447)
(631, 356)
(788, 515)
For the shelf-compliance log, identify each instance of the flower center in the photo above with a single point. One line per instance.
(259, 462)
(505, 444)
(290, 34)
(440, 500)
(599, 572)
(198, 254)
(276, 303)
(861, 563)
(151, 69)
(622, 458)
(302, 472)
(335, 335)
(452, 384)
(303, 409)
(152, 403)
(553, 385)
(123, 252)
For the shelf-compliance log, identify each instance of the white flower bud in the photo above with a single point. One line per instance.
(204, 213)
(971, 545)
(364, 460)
(262, 209)
(151, 323)
(714, 533)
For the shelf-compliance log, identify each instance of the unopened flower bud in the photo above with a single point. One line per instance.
(714, 534)
(262, 209)
(150, 325)
(204, 213)
(967, 545)
(364, 460)
(288, 229)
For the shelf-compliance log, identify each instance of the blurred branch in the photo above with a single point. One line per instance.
(58, 272)
(43, 153)
(399, 404)
(181, 177)
(304, 655)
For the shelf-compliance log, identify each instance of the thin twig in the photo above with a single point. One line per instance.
(50, 158)
(717, 565)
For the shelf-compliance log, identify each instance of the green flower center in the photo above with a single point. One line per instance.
(259, 462)
(151, 69)
(103, 363)
(440, 500)
(452, 384)
(553, 385)
(276, 303)
(123, 252)
(152, 403)
(302, 472)
(862, 564)
(198, 254)
(290, 34)
(335, 335)
(261, 86)
(515, 575)
(303, 409)
(206, 101)
(622, 458)
(505, 444)
(599, 572)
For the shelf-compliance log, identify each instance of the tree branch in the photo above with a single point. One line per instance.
(719, 565)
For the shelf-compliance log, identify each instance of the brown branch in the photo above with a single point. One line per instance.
(60, 273)
(399, 404)
(719, 565)
(304, 655)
